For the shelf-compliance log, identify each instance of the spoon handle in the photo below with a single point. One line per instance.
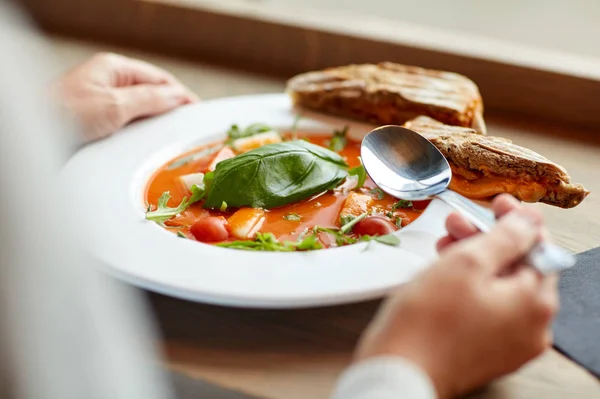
(545, 256)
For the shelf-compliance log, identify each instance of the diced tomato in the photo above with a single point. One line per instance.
(210, 229)
(374, 226)
(223, 154)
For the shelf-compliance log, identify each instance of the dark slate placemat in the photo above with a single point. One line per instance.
(186, 387)
(577, 326)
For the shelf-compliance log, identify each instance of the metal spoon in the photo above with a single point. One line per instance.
(407, 166)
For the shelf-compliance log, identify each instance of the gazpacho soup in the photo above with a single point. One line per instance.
(265, 190)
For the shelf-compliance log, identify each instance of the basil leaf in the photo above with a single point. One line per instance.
(360, 173)
(275, 175)
(338, 141)
(293, 217)
(377, 193)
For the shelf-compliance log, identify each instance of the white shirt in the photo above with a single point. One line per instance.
(384, 378)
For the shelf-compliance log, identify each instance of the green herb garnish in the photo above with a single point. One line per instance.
(268, 242)
(398, 222)
(164, 212)
(360, 173)
(223, 207)
(294, 128)
(388, 239)
(346, 228)
(275, 175)
(377, 193)
(180, 234)
(345, 219)
(399, 204)
(195, 156)
(235, 132)
(340, 237)
(338, 141)
(293, 217)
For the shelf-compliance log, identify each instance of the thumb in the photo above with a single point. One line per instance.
(147, 100)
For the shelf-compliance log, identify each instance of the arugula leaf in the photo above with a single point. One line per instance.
(164, 212)
(398, 222)
(235, 132)
(388, 239)
(275, 175)
(268, 242)
(340, 238)
(345, 219)
(377, 193)
(194, 156)
(293, 217)
(346, 228)
(400, 204)
(338, 141)
(294, 128)
(181, 235)
(360, 173)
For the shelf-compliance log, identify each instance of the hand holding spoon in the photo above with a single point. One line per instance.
(407, 166)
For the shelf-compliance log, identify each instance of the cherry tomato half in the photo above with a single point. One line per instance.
(210, 229)
(374, 225)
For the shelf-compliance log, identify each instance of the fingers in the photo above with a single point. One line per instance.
(534, 293)
(124, 72)
(508, 242)
(147, 100)
(141, 72)
(503, 204)
(460, 228)
(444, 243)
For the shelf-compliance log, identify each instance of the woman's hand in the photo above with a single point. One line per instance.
(109, 91)
(478, 313)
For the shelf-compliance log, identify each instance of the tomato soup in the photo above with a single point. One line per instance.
(285, 223)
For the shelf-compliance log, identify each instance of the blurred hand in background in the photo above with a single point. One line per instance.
(108, 91)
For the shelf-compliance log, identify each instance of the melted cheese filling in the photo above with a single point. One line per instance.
(486, 187)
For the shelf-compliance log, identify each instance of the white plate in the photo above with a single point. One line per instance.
(111, 176)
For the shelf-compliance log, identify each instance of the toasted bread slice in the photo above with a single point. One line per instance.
(390, 94)
(483, 166)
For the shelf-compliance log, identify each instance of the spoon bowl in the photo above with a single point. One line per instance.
(407, 166)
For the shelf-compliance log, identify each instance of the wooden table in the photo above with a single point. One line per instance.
(299, 353)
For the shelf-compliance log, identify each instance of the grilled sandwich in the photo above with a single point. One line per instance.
(390, 94)
(484, 166)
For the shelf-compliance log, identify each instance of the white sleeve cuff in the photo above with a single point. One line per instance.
(386, 377)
